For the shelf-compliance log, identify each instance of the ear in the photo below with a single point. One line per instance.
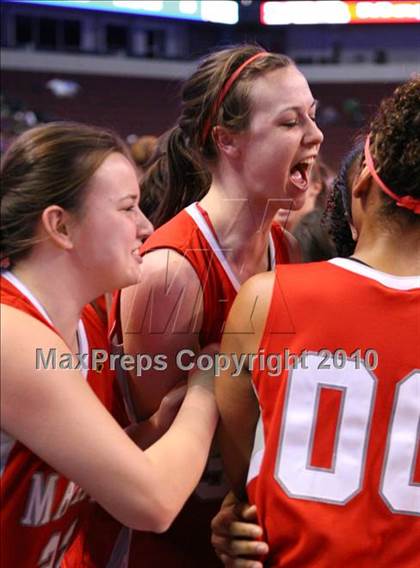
(56, 222)
(354, 232)
(361, 184)
(226, 141)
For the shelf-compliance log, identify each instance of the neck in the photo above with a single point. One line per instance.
(242, 223)
(395, 252)
(57, 291)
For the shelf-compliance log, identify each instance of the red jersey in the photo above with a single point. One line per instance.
(190, 233)
(42, 511)
(335, 469)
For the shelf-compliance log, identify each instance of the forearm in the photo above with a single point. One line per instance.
(145, 433)
(181, 454)
(143, 491)
(149, 388)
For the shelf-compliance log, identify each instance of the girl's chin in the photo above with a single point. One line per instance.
(297, 202)
(133, 277)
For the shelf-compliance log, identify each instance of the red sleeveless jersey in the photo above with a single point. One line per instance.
(42, 511)
(190, 233)
(335, 469)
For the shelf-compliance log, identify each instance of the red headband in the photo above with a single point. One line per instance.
(406, 201)
(225, 90)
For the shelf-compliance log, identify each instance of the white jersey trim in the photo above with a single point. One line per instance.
(81, 331)
(388, 280)
(121, 552)
(195, 213)
(258, 449)
(6, 446)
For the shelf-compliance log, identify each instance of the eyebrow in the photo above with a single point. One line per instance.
(314, 104)
(129, 196)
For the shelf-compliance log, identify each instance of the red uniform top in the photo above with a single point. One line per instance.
(335, 467)
(190, 233)
(42, 510)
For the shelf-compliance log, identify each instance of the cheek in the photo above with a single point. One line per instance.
(281, 151)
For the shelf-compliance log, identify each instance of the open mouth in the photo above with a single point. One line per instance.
(299, 174)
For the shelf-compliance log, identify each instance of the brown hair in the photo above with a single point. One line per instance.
(395, 148)
(322, 175)
(142, 150)
(182, 163)
(48, 165)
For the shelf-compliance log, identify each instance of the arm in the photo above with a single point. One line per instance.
(161, 315)
(235, 396)
(147, 432)
(144, 490)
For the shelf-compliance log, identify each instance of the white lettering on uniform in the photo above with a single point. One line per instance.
(66, 500)
(40, 500)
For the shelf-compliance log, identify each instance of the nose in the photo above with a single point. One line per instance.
(144, 226)
(313, 135)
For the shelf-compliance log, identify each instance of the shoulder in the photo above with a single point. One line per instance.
(300, 275)
(24, 341)
(256, 294)
(21, 319)
(170, 289)
(249, 312)
(300, 285)
(166, 269)
(174, 234)
(21, 332)
(258, 285)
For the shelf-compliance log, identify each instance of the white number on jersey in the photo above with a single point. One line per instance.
(339, 484)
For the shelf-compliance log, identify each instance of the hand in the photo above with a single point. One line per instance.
(168, 409)
(235, 534)
(204, 378)
(147, 432)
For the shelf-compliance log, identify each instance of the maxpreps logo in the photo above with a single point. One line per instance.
(96, 359)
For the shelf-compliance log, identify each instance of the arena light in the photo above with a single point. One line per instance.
(284, 13)
(219, 12)
(391, 12)
(222, 12)
(304, 13)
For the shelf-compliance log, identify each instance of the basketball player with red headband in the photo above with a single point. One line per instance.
(328, 449)
(67, 187)
(243, 146)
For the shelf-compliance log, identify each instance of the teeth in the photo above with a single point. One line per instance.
(306, 163)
